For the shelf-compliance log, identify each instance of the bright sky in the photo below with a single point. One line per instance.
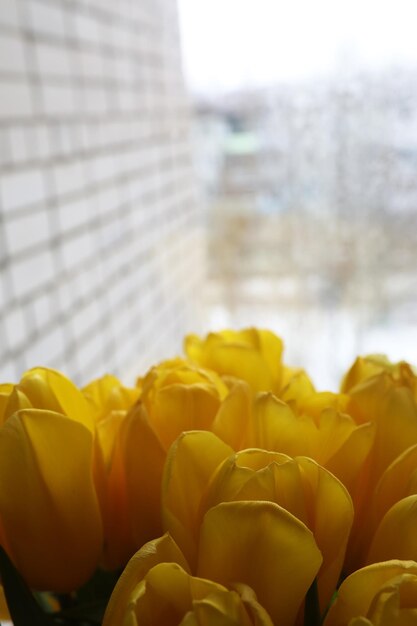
(231, 43)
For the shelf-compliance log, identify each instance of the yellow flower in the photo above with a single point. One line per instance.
(45, 388)
(49, 515)
(382, 594)
(387, 400)
(367, 367)
(390, 517)
(314, 427)
(157, 589)
(174, 396)
(110, 481)
(241, 543)
(107, 394)
(383, 395)
(110, 401)
(252, 355)
(201, 474)
(179, 396)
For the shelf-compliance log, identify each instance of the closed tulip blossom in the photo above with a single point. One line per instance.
(109, 402)
(315, 426)
(173, 397)
(251, 354)
(180, 396)
(384, 395)
(48, 389)
(108, 394)
(50, 520)
(300, 486)
(382, 594)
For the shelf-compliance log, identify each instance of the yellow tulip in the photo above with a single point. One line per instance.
(252, 355)
(179, 396)
(365, 368)
(131, 445)
(382, 594)
(241, 543)
(111, 487)
(49, 515)
(152, 593)
(107, 394)
(390, 516)
(390, 404)
(264, 546)
(191, 462)
(174, 396)
(385, 399)
(48, 389)
(157, 588)
(110, 401)
(296, 386)
(101, 406)
(200, 474)
(142, 458)
(161, 550)
(319, 430)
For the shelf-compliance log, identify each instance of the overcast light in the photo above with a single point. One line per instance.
(232, 43)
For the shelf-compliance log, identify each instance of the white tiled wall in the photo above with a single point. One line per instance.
(101, 257)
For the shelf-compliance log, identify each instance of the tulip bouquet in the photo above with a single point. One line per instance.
(223, 490)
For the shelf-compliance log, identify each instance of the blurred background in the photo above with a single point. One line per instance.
(170, 167)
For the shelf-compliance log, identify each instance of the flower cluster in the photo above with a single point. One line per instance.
(224, 487)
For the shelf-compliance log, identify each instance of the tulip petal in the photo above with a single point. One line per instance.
(227, 609)
(301, 486)
(331, 515)
(111, 486)
(264, 546)
(398, 481)
(275, 427)
(396, 537)
(396, 428)
(161, 550)
(169, 596)
(178, 408)
(357, 592)
(364, 368)
(165, 595)
(48, 504)
(296, 384)
(271, 348)
(191, 461)
(245, 354)
(5, 391)
(107, 394)
(258, 475)
(144, 459)
(51, 390)
(334, 430)
(347, 462)
(241, 361)
(259, 616)
(232, 419)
